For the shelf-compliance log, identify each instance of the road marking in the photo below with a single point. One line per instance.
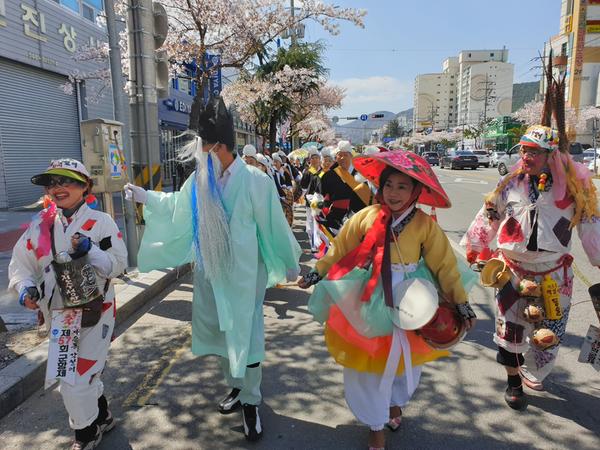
(157, 373)
(581, 276)
(463, 180)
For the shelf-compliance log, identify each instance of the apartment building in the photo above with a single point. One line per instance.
(473, 86)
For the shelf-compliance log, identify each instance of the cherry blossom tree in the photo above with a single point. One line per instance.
(277, 94)
(531, 113)
(237, 30)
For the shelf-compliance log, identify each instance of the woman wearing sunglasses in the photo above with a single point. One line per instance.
(69, 225)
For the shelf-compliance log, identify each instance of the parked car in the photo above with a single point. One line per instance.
(482, 157)
(576, 150)
(495, 158)
(459, 159)
(512, 156)
(588, 156)
(509, 159)
(432, 158)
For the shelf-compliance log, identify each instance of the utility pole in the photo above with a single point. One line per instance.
(293, 41)
(487, 90)
(143, 100)
(121, 116)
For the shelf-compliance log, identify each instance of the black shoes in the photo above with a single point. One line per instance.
(230, 403)
(87, 438)
(251, 421)
(515, 398)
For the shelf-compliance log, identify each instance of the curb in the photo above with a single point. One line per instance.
(26, 374)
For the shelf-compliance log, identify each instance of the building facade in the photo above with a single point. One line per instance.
(475, 85)
(576, 54)
(38, 120)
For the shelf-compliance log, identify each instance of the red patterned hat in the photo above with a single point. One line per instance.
(412, 165)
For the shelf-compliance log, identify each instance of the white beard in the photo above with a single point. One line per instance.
(216, 253)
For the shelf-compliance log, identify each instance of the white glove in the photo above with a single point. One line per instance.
(292, 274)
(135, 193)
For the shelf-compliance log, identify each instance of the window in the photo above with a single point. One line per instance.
(73, 5)
(89, 13)
(184, 85)
(491, 54)
(96, 4)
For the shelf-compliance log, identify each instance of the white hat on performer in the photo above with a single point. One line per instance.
(344, 146)
(313, 151)
(277, 158)
(326, 152)
(282, 154)
(249, 150)
(262, 159)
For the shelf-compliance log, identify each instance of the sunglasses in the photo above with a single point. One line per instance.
(61, 181)
(532, 153)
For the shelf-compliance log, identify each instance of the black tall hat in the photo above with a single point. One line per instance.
(213, 122)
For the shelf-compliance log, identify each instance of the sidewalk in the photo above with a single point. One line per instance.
(25, 375)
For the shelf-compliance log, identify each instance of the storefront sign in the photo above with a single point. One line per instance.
(178, 105)
(592, 26)
(580, 40)
(46, 35)
(63, 348)
(174, 112)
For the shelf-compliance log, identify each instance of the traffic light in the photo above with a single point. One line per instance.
(161, 59)
(377, 116)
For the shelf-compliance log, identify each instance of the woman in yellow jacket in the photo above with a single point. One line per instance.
(360, 281)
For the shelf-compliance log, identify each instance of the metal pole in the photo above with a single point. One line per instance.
(121, 116)
(143, 99)
(293, 42)
(594, 131)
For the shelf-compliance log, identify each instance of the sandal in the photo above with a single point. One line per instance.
(394, 423)
(534, 385)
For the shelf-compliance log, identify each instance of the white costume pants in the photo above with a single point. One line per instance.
(249, 386)
(310, 228)
(369, 403)
(81, 399)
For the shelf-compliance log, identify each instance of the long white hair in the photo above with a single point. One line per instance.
(212, 238)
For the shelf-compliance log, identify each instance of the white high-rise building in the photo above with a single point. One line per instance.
(475, 85)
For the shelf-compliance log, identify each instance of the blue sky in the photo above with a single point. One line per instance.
(402, 38)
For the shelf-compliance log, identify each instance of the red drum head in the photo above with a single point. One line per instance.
(445, 330)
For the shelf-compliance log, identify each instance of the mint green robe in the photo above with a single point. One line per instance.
(227, 318)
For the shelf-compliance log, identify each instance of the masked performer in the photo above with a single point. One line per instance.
(89, 237)
(228, 219)
(381, 253)
(532, 213)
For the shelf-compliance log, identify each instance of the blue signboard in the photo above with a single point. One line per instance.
(174, 111)
(215, 83)
(363, 117)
